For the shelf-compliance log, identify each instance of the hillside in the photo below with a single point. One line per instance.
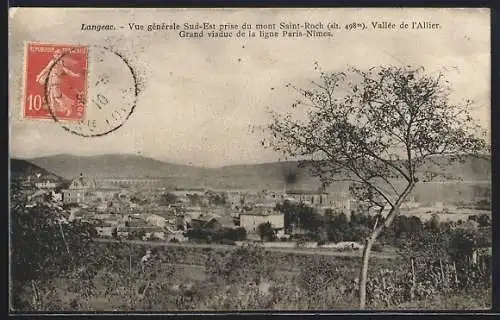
(473, 169)
(22, 169)
(275, 175)
(114, 165)
(267, 175)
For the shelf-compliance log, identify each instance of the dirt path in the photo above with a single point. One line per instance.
(309, 251)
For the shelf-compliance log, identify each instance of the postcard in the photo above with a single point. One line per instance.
(230, 159)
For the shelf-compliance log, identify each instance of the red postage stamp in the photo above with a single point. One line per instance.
(55, 81)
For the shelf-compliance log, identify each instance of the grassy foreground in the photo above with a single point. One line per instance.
(180, 279)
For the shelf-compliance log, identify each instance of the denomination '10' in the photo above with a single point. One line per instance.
(36, 102)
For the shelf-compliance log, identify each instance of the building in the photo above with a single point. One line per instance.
(274, 195)
(252, 219)
(105, 231)
(114, 205)
(182, 193)
(267, 205)
(132, 182)
(339, 201)
(235, 198)
(207, 223)
(251, 197)
(45, 185)
(311, 198)
(178, 237)
(57, 197)
(180, 222)
(154, 233)
(83, 190)
(78, 190)
(103, 207)
(156, 220)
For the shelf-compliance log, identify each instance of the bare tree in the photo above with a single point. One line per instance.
(382, 130)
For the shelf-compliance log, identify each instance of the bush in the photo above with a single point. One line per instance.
(300, 242)
(238, 234)
(484, 220)
(168, 199)
(346, 249)
(266, 232)
(43, 249)
(227, 242)
(197, 234)
(377, 247)
(242, 265)
(231, 235)
(136, 235)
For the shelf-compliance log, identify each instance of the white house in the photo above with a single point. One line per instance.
(45, 185)
(57, 197)
(156, 220)
(154, 233)
(106, 231)
(252, 219)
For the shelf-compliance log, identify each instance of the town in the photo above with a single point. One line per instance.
(144, 209)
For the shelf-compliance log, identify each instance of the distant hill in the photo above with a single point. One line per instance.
(250, 176)
(22, 169)
(473, 169)
(267, 175)
(126, 166)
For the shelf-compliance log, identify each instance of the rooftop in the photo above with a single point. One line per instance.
(142, 228)
(308, 192)
(261, 213)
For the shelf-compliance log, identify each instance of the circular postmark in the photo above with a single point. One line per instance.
(108, 98)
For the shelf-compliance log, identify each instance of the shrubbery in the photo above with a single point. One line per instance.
(266, 232)
(243, 278)
(217, 236)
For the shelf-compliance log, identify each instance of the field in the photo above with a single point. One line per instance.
(289, 248)
(201, 278)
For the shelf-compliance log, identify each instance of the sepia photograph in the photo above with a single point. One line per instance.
(249, 159)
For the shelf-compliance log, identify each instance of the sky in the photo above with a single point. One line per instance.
(200, 97)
